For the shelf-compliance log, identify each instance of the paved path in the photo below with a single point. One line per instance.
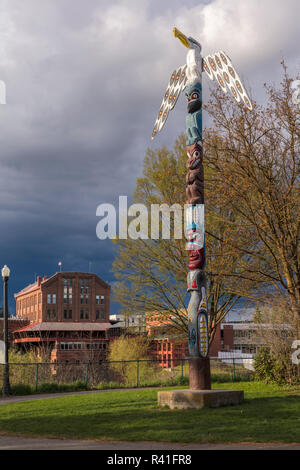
(23, 443)
(42, 396)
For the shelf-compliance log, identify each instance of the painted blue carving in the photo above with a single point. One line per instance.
(193, 120)
(195, 217)
(195, 87)
(192, 340)
(193, 128)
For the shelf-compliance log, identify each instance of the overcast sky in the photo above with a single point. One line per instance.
(85, 79)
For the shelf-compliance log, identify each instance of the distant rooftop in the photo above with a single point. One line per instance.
(61, 326)
(41, 280)
(251, 325)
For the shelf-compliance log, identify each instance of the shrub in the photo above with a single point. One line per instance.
(23, 366)
(53, 387)
(106, 385)
(48, 387)
(131, 349)
(183, 380)
(80, 385)
(21, 389)
(223, 378)
(276, 367)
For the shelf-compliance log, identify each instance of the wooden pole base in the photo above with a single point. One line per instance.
(199, 373)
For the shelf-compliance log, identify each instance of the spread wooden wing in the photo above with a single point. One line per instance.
(176, 84)
(219, 66)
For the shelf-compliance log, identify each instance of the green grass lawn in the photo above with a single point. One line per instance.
(269, 414)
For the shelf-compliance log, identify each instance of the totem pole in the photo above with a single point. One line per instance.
(189, 78)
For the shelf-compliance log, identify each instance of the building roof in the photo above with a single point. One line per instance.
(116, 325)
(254, 326)
(45, 279)
(27, 289)
(65, 326)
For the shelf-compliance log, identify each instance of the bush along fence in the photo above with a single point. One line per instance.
(53, 376)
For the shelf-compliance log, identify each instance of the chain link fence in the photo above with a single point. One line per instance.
(39, 377)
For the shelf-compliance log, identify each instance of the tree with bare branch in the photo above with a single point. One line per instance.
(256, 169)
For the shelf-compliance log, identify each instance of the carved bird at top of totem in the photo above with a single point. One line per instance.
(217, 66)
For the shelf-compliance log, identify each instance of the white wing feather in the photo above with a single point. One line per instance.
(218, 66)
(176, 84)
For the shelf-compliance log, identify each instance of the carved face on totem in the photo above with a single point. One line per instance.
(196, 259)
(193, 95)
(194, 153)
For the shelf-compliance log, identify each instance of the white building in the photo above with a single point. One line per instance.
(135, 323)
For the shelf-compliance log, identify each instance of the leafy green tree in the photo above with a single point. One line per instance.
(125, 351)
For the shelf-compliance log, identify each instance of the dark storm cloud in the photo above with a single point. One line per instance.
(84, 83)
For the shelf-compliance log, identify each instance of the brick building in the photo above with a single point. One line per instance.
(68, 316)
(223, 340)
(169, 348)
(234, 338)
(13, 325)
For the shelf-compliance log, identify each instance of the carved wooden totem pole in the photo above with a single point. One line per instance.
(189, 78)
